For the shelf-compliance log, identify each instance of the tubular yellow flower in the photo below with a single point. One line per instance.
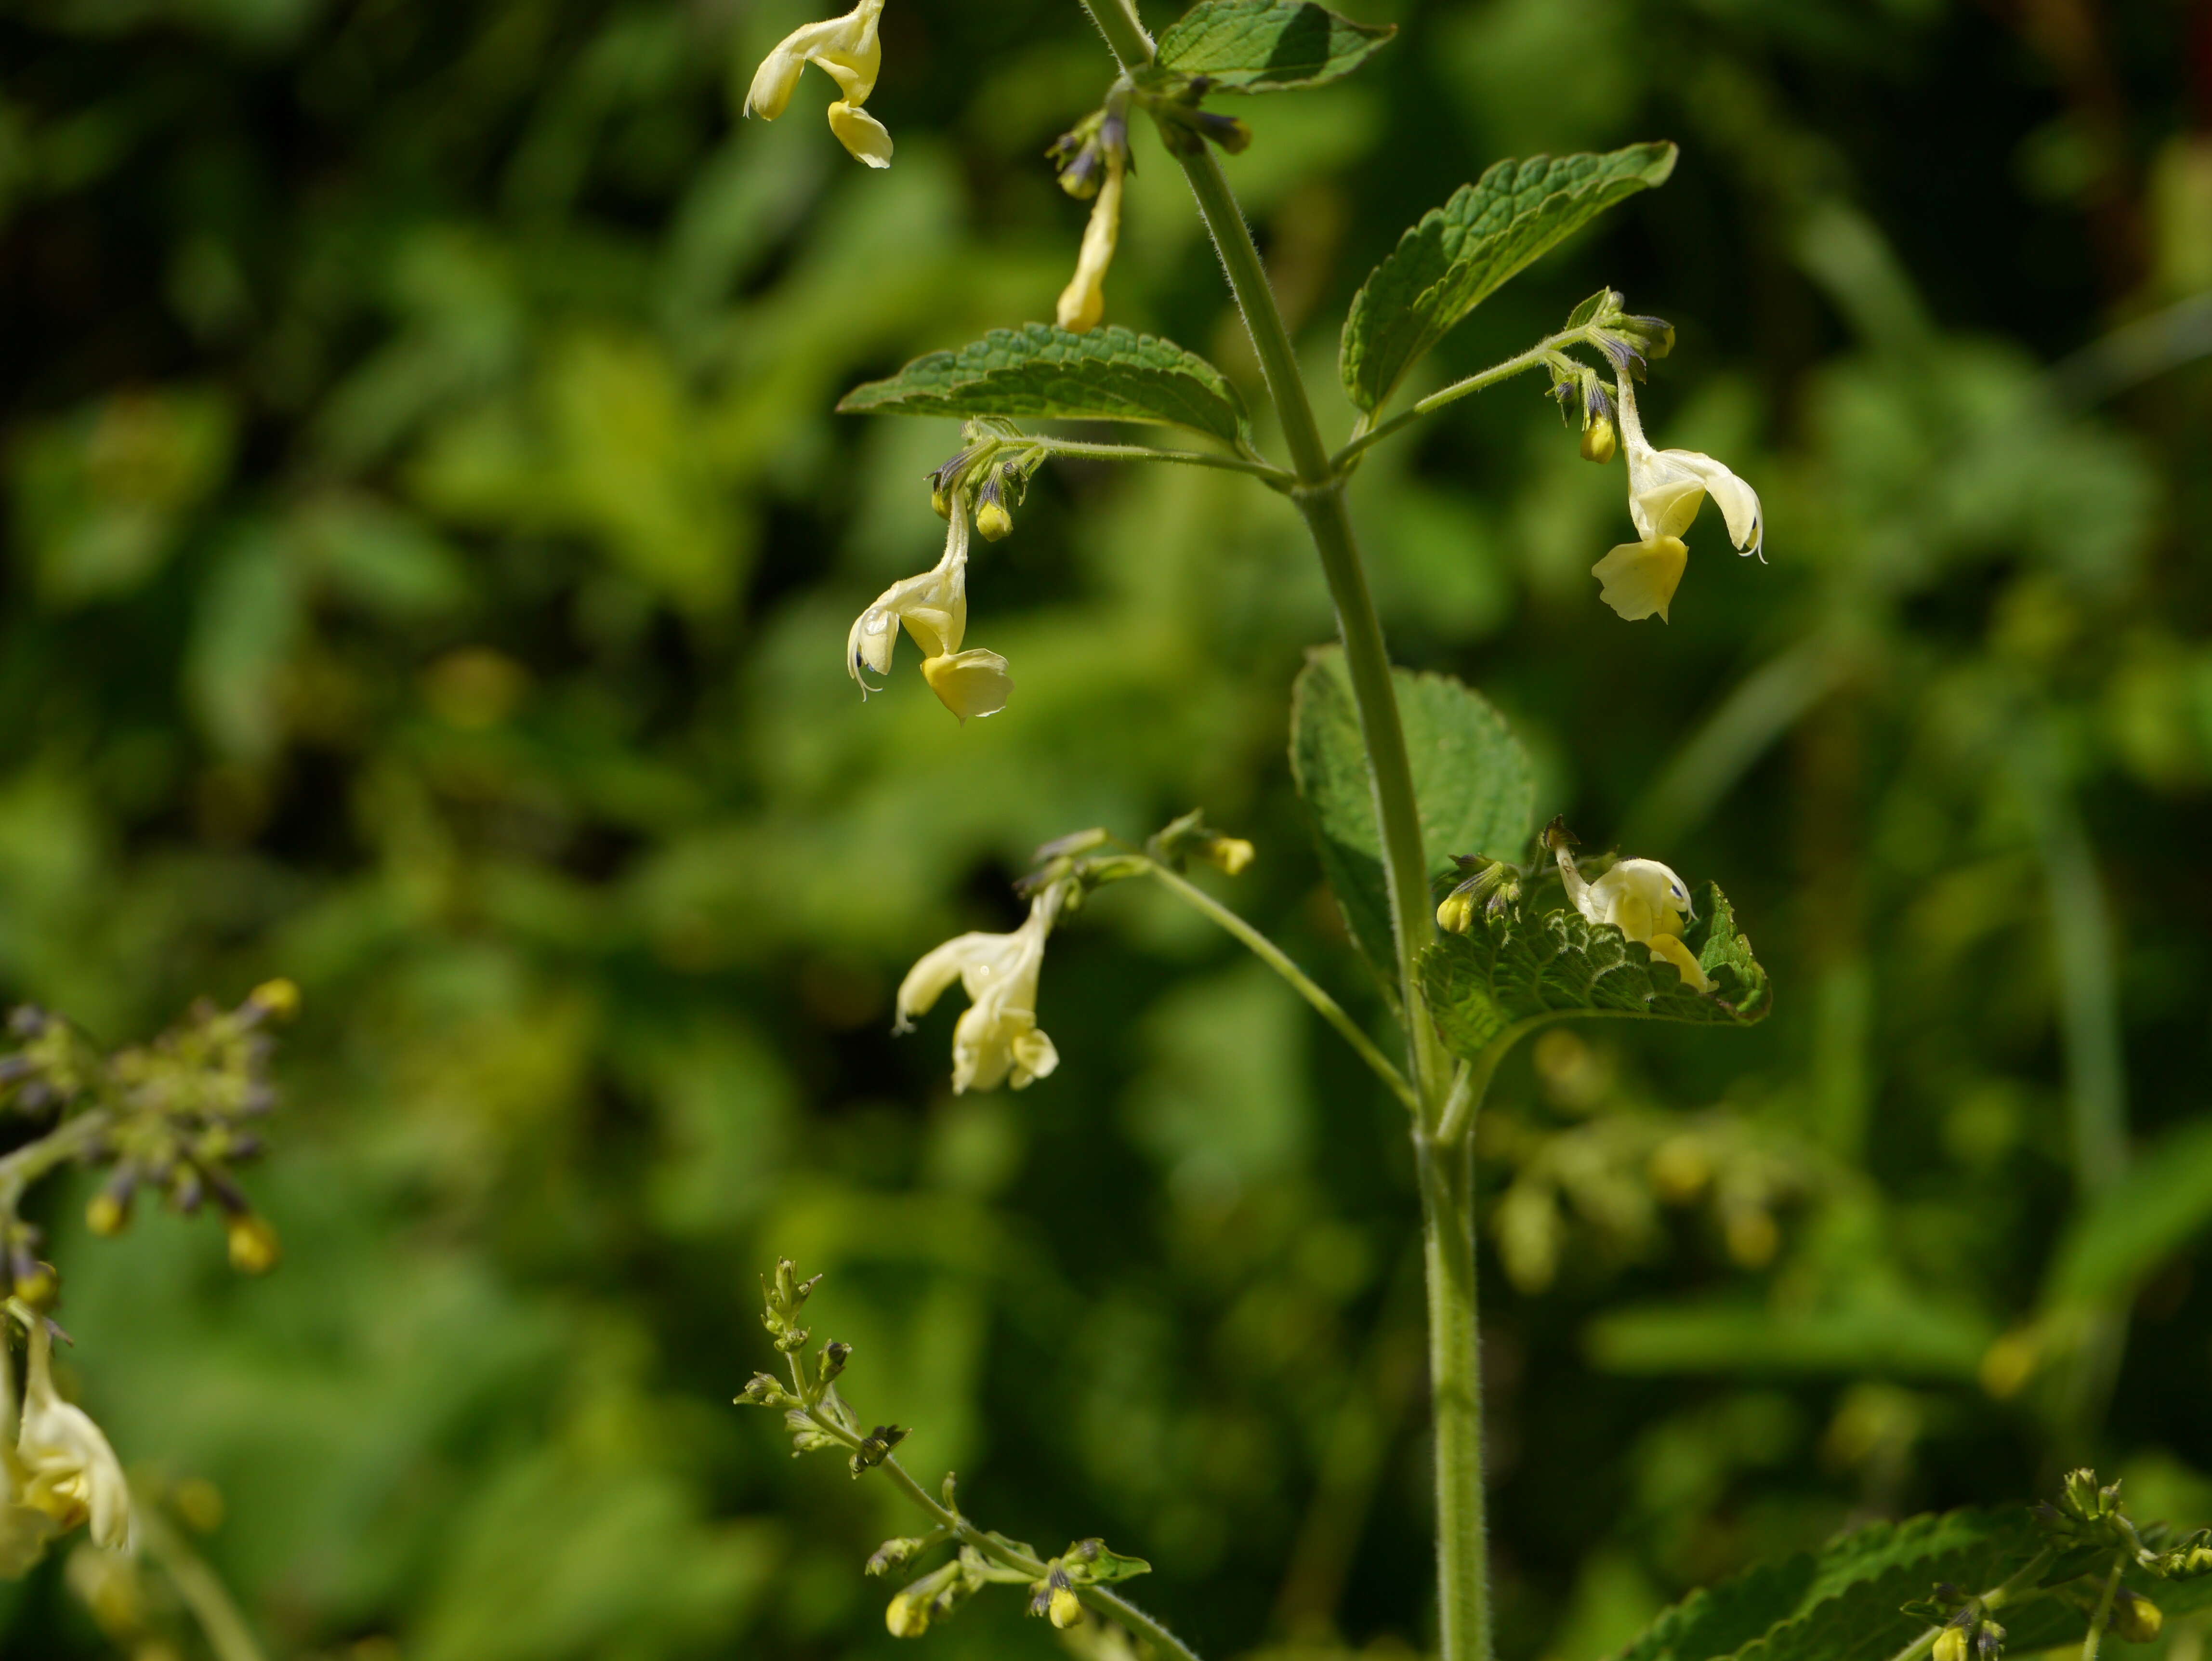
(997, 1040)
(1665, 489)
(1083, 302)
(70, 1472)
(848, 48)
(1646, 901)
(24, 1529)
(934, 609)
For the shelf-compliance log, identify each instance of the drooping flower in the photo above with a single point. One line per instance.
(1646, 901)
(1665, 489)
(997, 1040)
(68, 1470)
(934, 609)
(848, 48)
(24, 1529)
(1083, 302)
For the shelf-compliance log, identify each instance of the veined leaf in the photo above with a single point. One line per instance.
(1850, 1590)
(2164, 1201)
(1263, 45)
(1519, 961)
(1037, 372)
(1471, 778)
(1462, 253)
(1845, 1602)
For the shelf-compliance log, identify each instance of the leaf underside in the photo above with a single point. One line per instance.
(1523, 962)
(1267, 45)
(1037, 372)
(1472, 779)
(1843, 1602)
(1460, 253)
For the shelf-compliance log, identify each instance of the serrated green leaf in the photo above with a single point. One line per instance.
(2162, 1203)
(1039, 373)
(1855, 1584)
(1462, 253)
(1265, 45)
(1520, 963)
(1472, 779)
(1845, 1602)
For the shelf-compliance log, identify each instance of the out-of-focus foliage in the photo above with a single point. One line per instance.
(431, 550)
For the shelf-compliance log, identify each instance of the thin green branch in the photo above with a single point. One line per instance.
(1006, 1554)
(34, 1159)
(2095, 1635)
(1301, 983)
(1471, 1083)
(202, 1590)
(2009, 1595)
(1544, 349)
(1265, 470)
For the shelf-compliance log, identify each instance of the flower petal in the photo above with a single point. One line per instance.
(1083, 302)
(1639, 578)
(970, 683)
(928, 980)
(860, 133)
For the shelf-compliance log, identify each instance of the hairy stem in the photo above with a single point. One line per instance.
(1265, 472)
(1277, 960)
(1447, 1176)
(58, 1146)
(1096, 1597)
(202, 1590)
(1540, 353)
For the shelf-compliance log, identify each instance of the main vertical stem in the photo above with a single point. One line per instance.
(1446, 1170)
(1447, 1175)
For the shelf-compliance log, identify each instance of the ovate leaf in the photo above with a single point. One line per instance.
(1850, 1590)
(1471, 778)
(1262, 46)
(1521, 962)
(1845, 1602)
(1460, 253)
(1037, 372)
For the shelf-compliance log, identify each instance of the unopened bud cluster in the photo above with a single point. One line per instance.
(173, 1118)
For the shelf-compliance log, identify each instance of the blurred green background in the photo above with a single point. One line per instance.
(429, 555)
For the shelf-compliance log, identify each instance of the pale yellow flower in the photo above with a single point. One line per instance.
(1665, 489)
(1646, 902)
(69, 1472)
(934, 609)
(997, 1040)
(848, 48)
(1083, 302)
(24, 1529)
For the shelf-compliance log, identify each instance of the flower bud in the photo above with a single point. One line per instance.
(109, 1214)
(275, 998)
(1950, 1645)
(992, 520)
(254, 1249)
(1455, 913)
(1228, 855)
(1067, 1608)
(940, 504)
(1599, 440)
(36, 1283)
(2137, 1620)
(906, 1615)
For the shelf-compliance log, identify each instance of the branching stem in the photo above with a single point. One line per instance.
(1542, 352)
(1266, 472)
(19, 1169)
(1006, 1554)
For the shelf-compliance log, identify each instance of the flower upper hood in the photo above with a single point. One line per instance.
(67, 1468)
